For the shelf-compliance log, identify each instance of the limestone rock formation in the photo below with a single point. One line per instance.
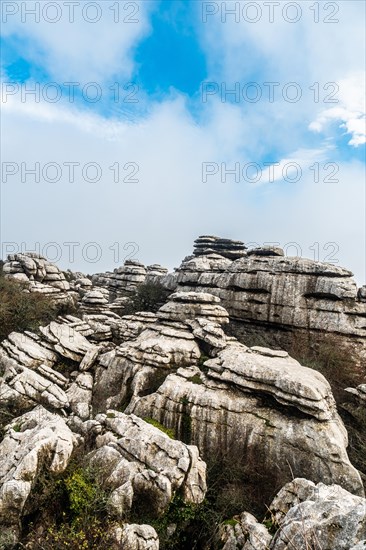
(39, 275)
(138, 537)
(279, 295)
(285, 413)
(207, 244)
(141, 462)
(325, 516)
(303, 515)
(246, 533)
(33, 442)
(180, 372)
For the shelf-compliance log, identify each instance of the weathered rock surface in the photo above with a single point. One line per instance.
(303, 516)
(274, 373)
(138, 537)
(39, 275)
(321, 516)
(21, 387)
(279, 294)
(139, 461)
(245, 534)
(33, 442)
(227, 248)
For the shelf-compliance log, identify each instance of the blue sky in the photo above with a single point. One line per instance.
(161, 71)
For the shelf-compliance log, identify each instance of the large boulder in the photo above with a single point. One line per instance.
(138, 462)
(33, 443)
(317, 516)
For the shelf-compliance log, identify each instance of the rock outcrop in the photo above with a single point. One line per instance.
(285, 413)
(302, 515)
(265, 292)
(39, 275)
(244, 532)
(207, 244)
(324, 516)
(138, 537)
(141, 463)
(34, 442)
(147, 398)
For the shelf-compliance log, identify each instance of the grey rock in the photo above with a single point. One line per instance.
(139, 459)
(323, 516)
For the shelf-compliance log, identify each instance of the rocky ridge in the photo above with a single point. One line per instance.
(118, 388)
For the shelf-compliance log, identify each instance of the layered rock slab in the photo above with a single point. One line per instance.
(139, 461)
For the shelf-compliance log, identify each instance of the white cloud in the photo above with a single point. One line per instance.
(77, 50)
(170, 205)
(351, 111)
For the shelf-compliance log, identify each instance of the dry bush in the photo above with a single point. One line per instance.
(20, 310)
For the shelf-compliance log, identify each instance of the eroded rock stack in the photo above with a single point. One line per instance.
(267, 293)
(38, 275)
(208, 244)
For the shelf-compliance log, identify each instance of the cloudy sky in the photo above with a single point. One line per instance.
(129, 128)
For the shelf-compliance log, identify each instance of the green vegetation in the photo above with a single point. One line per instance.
(162, 428)
(148, 297)
(21, 310)
(195, 379)
(203, 358)
(70, 511)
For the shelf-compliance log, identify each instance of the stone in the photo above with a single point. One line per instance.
(284, 296)
(207, 244)
(124, 280)
(35, 268)
(325, 516)
(68, 342)
(138, 537)
(266, 251)
(312, 444)
(139, 459)
(22, 387)
(245, 534)
(280, 376)
(182, 306)
(33, 442)
(28, 350)
(79, 395)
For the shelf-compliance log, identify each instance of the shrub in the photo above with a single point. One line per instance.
(148, 297)
(70, 511)
(20, 310)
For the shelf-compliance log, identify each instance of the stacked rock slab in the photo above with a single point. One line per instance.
(40, 276)
(207, 244)
(162, 345)
(124, 280)
(31, 266)
(276, 297)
